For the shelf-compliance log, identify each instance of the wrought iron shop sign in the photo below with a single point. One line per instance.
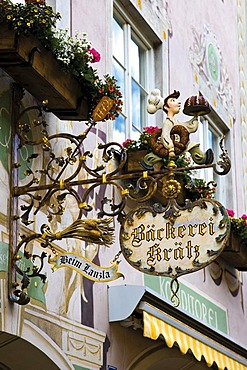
(173, 241)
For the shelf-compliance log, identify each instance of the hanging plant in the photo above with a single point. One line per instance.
(75, 54)
(238, 225)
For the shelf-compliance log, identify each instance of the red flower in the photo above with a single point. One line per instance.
(126, 142)
(230, 212)
(96, 55)
(151, 129)
(244, 217)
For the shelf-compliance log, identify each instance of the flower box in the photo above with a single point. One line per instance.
(134, 158)
(36, 70)
(235, 253)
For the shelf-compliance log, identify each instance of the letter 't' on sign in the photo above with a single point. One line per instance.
(174, 241)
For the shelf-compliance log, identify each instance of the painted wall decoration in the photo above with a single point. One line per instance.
(211, 74)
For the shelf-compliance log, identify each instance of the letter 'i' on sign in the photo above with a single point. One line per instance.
(155, 243)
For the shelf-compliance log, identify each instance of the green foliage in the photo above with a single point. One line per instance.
(239, 227)
(35, 18)
(199, 188)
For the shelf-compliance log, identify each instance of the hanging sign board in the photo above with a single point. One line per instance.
(174, 241)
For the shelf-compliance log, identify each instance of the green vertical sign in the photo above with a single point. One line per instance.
(4, 257)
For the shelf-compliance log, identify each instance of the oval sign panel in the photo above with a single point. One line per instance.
(174, 241)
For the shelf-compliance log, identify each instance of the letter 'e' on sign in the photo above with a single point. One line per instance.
(174, 241)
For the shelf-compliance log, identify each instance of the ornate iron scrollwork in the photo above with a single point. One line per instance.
(47, 188)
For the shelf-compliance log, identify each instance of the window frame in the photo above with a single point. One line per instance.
(131, 32)
(219, 130)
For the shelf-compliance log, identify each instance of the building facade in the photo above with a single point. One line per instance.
(75, 321)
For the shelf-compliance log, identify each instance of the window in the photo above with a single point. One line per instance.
(131, 66)
(210, 135)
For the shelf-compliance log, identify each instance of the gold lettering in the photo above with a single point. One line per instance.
(178, 253)
(138, 235)
(180, 231)
(159, 231)
(190, 229)
(189, 246)
(102, 108)
(196, 248)
(170, 231)
(151, 259)
(153, 253)
(201, 228)
(211, 227)
(166, 254)
(150, 235)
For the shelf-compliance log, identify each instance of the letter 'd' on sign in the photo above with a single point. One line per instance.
(174, 241)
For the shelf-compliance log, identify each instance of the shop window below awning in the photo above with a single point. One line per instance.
(160, 319)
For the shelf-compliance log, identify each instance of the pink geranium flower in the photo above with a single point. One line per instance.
(230, 212)
(244, 216)
(126, 142)
(151, 129)
(96, 55)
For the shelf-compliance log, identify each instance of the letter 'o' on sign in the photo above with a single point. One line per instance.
(174, 241)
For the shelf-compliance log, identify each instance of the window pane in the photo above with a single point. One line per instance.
(119, 126)
(139, 102)
(210, 139)
(118, 42)
(135, 134)
(136, 105)
(201, 130)
(118, 73)
(138, 62)
(134, 61)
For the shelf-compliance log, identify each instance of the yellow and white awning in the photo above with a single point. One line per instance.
(154, 327)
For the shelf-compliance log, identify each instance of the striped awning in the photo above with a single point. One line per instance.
(224, 358)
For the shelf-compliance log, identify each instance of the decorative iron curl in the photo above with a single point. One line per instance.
(175, 298)
(225, 162)
(72, 157)
(18, 294)
(57, 206)
(110, 152)
(144, 183)
(27, 208)
(92, 171)
(116, 208)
